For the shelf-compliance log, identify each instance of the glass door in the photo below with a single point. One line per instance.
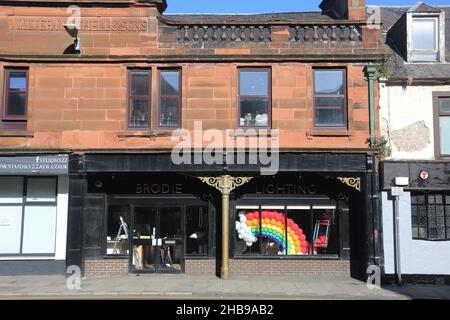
(171, 248)
(157, 244)
(144, 234)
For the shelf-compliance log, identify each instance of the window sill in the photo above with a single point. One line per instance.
(199, 257)
(16, 134)
(254, 132)
(144, 134)
(44, 257)
(118, 257)
(330, 133)
(431, 240)
(293, 257)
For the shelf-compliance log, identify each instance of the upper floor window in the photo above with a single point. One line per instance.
(15, 101)
(139, 99)
(255, 97)
(425, 39)
(330, 105)
(442, 123)
(430, 216)
(169, 99)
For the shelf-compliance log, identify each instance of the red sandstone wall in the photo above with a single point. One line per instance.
(84, 106)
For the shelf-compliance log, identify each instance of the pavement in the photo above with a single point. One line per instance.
(211, 288)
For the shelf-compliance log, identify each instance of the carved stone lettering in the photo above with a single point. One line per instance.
(87, 24)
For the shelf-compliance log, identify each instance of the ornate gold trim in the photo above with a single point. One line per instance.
(353, 182)
(225, 184)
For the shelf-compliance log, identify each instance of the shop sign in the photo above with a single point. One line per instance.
(159, 188)
(272, 188)
(51, 24)
(46, 164)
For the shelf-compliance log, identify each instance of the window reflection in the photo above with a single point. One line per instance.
(254, 102)
(139, 103)
(169, 98)
(197, 230)
(425, 39)
(329, 98)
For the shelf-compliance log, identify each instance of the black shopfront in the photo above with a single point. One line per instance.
(157, 217)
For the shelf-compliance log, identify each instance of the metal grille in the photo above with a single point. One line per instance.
(430, 216)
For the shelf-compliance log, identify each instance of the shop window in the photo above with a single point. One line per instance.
(286, 230)
(330, 105)
(425, 39)
(255, 97)
(15, 101)
(169, 98)
(27, 215)
(197, 228)
(41, 190)
(139, 99)
(430, 216)
(119, 220)
(443, 126)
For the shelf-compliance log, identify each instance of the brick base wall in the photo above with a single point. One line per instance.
(200, 267)
(112, 267)
(105, 267)
(289, 267)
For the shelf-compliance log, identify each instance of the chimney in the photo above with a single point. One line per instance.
(161, 5)
(344, 9)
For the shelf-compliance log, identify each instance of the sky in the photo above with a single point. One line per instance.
(262, 6)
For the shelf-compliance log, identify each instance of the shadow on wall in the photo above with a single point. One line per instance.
(71, 50)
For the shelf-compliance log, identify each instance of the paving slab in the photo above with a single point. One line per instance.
(181, 287)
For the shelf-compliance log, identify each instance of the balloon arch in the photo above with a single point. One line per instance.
(273, 228)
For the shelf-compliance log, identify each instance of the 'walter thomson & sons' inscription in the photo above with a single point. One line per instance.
(87, 24)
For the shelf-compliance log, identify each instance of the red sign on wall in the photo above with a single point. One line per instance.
(424, 175)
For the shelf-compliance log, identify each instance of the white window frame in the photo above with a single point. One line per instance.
(26, 203)
(440, 37)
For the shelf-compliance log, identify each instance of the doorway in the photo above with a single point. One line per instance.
(156, 244)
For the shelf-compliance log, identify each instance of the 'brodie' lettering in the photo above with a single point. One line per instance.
(159, 188)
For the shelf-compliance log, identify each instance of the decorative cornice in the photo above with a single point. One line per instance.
(305, 57)
(173, 22)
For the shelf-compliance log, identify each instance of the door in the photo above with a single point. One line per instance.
(157, 235)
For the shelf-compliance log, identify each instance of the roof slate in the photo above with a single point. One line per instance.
(400, 70)
(421, 7)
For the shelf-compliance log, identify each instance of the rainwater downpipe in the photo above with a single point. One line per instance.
(370, 74)
(370, 71)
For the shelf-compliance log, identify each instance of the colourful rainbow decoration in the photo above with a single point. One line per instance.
(272, 227)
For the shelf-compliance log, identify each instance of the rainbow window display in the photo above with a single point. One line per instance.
(272, 227)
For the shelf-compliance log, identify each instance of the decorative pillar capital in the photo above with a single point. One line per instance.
(226, 183)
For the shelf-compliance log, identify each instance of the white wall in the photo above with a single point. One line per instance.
(403, 106)
(417, 256)
(61, 220)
